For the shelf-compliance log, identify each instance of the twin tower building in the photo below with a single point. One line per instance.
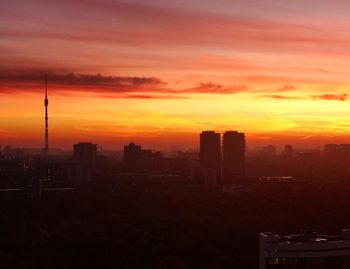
(222, 164)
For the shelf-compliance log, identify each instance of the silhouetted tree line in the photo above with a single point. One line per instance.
(155, 226)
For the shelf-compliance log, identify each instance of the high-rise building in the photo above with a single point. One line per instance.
(132, 156)
(269, 151)
(210, 156)
(137, 159)
(344, 153)
(288, 152)
(233, 168)
(337, 154)
(331, 153)
(85, 152)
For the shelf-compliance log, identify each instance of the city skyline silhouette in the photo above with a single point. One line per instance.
(141, 134)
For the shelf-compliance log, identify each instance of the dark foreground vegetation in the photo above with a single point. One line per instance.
(153, 226)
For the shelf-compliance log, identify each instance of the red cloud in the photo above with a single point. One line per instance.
(286, 88)
(64, 82)
(214, 88)
(106, 86)
(335, 97)
(153, 96)
(331, 97)
(282, 97)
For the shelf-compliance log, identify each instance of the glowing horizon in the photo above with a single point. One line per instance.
(160, 73)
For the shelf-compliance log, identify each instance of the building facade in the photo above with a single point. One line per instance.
(233, 166)
(86, 155)
(210, 156)
(85, 152)
(305, 251)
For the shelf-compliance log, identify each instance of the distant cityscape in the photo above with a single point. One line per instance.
(221, 168)
(221, 160)
(221, 165)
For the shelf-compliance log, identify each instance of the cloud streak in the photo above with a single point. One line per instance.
(29, 80)
(281, 97)
(77, 79)
(334, 97)
(215, 88)
(107, 86)
(325, 97)
(62, 82)
(159, 26)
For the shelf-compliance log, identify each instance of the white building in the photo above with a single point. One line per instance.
(309, 250)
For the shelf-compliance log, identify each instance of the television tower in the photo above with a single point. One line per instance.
(46, 103)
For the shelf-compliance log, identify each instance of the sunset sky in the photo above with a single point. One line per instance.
(159, 72)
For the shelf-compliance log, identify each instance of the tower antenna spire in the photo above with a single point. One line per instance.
(45, 86)
(46, 104)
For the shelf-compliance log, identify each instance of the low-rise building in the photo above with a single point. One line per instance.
(306, 250)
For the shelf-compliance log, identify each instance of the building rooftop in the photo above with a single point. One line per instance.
(307, 237)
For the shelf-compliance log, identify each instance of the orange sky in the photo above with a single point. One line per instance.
(159, 73)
